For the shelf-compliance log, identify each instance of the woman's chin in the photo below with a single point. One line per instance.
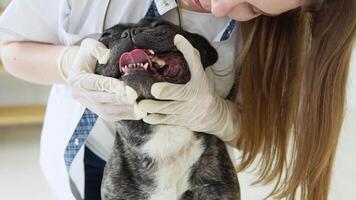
(194, 5)
(205, 5)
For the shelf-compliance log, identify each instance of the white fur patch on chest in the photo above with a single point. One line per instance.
(175, 149)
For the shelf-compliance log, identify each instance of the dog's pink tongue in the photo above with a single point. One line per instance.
(133, 57)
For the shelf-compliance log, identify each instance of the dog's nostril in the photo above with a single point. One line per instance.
(125, 34)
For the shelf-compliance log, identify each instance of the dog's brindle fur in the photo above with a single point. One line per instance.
(160, 161)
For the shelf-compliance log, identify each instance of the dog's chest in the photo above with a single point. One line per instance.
(166, 162)
(175, 150)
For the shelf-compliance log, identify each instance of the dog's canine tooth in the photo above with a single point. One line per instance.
(160, 63)
(151, 51)
(145, 66)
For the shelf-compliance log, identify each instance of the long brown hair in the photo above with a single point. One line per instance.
(293, 71)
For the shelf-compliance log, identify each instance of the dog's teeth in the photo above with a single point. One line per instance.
(151, 51)
(160, 63)
(145, 66)
(124, 69)
(141, 64)
(134, 65)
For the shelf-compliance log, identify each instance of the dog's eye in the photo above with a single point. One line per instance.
(157, 23)
(106, 34)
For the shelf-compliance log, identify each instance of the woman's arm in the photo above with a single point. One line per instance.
(47, 64)
(32, 61)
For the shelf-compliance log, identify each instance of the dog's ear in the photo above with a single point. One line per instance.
(208, 54)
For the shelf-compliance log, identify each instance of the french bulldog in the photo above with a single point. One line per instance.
(161, 162)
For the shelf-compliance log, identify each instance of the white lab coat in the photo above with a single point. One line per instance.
(65, 22)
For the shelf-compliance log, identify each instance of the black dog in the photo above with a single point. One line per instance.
(161, 162)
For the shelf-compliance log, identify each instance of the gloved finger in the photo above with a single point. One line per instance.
(162, 107)
(107, 97)
(101, 53)
(190, 54)
(123, 116)
(154, 119)
(122, 112)
(100, 97)
(170, 91)
(131, 94)
(164, 119)
(116, 109)
(112, 112)
(85, 60)
(96, 82)
(97, 49)
(139, 114)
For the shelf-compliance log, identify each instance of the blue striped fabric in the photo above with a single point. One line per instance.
(227, 33)
(153, 11)
(81, 132)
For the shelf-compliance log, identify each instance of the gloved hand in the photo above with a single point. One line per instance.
(106, 96)
(194, 105)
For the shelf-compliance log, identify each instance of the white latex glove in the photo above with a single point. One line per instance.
(106, 96)
(194, 105)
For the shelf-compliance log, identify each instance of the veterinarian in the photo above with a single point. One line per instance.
(42, 43)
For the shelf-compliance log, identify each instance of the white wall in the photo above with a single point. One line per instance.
(344, 179)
